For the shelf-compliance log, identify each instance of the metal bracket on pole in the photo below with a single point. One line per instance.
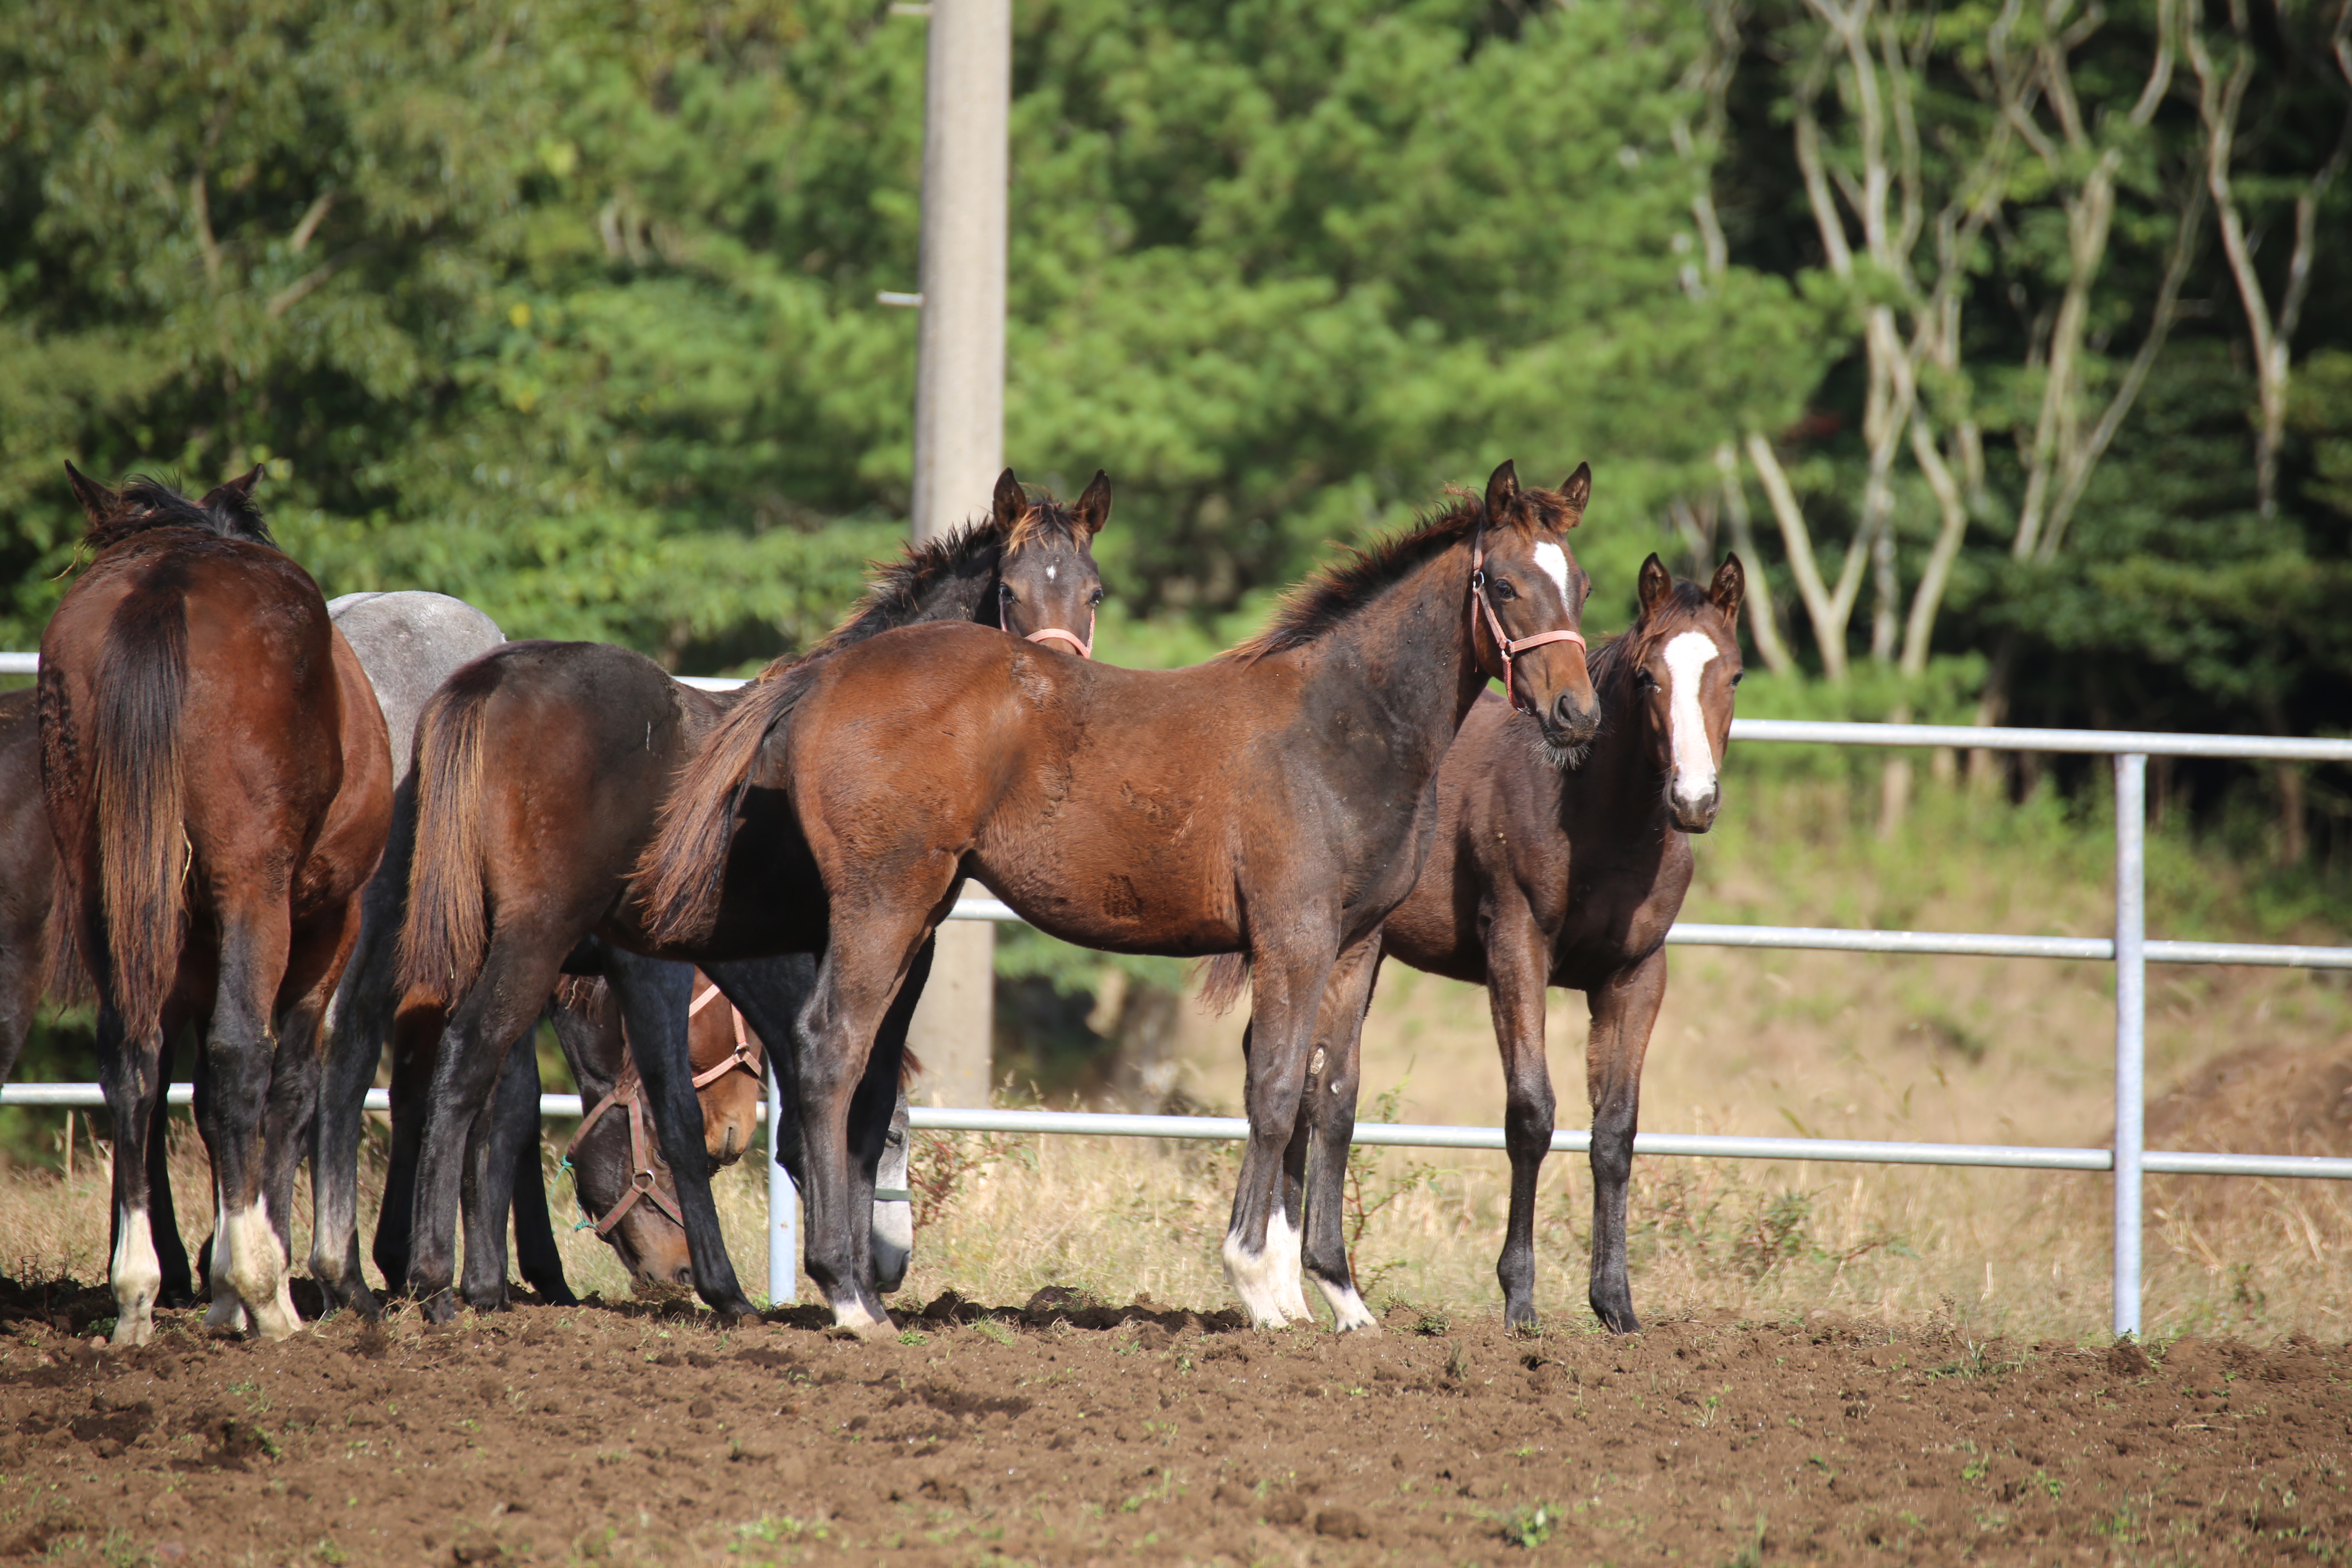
(2131, 1028)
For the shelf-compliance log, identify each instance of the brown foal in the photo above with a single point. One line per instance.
(1275, 802)
(1553, 871)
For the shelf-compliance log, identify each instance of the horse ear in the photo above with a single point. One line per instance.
(1575, 489)
(1011, 499)
(97, 500)
(238, 490)
(1502, 492)
(1730, 585)
(1654, 585)
(1094, 505)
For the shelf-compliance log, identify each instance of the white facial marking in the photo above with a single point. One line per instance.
(1050, 571)
(1687, 656)
(1554, 561)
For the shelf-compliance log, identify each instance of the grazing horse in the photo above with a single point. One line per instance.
(219, 786)
(625, 1185)
(1551, 870)
(1275, 802)
(542, 769)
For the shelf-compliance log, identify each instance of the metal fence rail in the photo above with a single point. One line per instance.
(2129, 949)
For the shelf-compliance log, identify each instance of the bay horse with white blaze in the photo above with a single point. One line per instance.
(542, 769)
(1552, 870)
(218, 785)
(1276, 801)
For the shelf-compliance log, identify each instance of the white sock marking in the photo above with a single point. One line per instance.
(1349, 1312)
(137, 1275)
(1687, 656)
(1554, 561)
(1283, 1242)
(1249, 1274)
(254, 1272)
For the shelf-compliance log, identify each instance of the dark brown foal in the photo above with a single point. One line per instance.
(540, 769)
(1275, 802)
(1550, 869)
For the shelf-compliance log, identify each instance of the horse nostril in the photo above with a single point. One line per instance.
(1568, 715)
(683, 1275)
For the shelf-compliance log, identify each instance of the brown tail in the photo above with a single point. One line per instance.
(137, 807)
(682, 872)
(447, 928)
(65, 979)
(1224, 978)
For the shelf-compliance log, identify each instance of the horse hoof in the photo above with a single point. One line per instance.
(439, 1307)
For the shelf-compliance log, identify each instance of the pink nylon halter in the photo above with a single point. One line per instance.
(1508, 648)
(1055, 634)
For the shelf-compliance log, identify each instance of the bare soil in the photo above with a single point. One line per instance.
(1068, 1432)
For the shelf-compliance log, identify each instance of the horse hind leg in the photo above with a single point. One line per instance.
(248, 1258)
(133, 1080)
(1333, 1079)
(493, 1177)
(1287, 995)
(360, 1022)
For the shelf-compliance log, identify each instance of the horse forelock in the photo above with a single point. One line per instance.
(1044, 522)
(1687, 608)
(145, 503)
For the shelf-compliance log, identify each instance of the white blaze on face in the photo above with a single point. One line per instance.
(1554, 562)
(1687, 656)
(1050, 571)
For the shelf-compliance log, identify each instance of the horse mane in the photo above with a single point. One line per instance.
(965, 557)
(1339, 590)
(144, 503)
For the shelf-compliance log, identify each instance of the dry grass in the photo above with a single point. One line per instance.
(1826, 1044)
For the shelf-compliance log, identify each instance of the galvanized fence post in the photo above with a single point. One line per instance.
(783, 1204)
(2131, 1028)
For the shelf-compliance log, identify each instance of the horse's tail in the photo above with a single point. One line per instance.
(683, 869)
(1224, 978)
(65, 977)
(136, 819)
(443, 934)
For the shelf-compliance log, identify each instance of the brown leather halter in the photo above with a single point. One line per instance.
(644, 1153)
(1504, 644)
(1055, 634)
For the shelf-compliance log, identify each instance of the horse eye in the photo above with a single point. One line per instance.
(1738, 676)
(1503, 589)
(1095, 597)
(1645, 681)
(1004, 592)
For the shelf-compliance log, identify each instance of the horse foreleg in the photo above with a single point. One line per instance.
(654, 994)
(1624, 1008)
(1519, 966)
(131, 1072)
(1287, 991)
(416, 1047)
(537, 1258)
(1334, 1078)
(358, 1024)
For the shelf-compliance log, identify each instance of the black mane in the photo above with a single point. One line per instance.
(144, 503)
(1339, 590)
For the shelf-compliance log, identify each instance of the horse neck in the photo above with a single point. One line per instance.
(1405, 662)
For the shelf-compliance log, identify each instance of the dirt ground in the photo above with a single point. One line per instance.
(1066, 1433)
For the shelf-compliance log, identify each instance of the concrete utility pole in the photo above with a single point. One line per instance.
(960, 426)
